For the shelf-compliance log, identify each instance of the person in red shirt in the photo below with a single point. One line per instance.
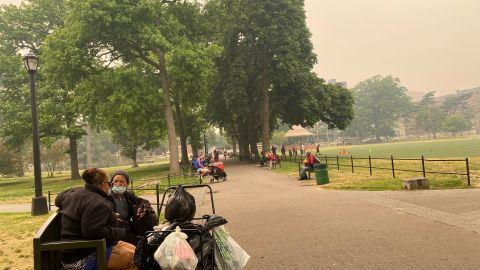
(309, 162)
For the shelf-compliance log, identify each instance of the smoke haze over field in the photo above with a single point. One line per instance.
(431, 45)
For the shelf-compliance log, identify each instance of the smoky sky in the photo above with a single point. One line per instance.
(431, 45)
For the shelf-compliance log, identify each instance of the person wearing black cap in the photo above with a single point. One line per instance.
(134, 213)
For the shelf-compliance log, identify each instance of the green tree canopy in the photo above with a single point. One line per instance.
(379, 103)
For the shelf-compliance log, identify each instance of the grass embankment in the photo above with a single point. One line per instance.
(16, 234)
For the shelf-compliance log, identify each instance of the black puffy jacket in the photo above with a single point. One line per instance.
(87, 214)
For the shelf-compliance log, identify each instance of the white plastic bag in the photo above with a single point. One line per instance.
(228, 254)
(175, 253)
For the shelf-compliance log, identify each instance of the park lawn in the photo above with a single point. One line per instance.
(16, 250)
(439, 148)
(344, 179)
(21, 189)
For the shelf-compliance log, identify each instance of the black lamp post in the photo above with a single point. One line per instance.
(39, 202)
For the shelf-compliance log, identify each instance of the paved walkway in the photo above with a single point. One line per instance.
(286, 224)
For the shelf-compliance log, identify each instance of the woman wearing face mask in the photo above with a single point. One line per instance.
(87, 214)
(134, 213)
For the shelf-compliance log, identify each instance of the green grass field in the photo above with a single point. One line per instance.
(440, 148)
(21, 189)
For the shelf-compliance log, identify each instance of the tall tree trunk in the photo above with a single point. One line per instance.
(134, 158)
(265, 111)
(74, 174)
(20, 171)
(194, 148)
(254, 149)
(244, 143)
(181, 130)
(253, 134)
(243, 138)
(167, 110)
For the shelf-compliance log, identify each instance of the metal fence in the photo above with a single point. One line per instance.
(350, 163)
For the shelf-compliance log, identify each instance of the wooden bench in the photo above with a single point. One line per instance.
(47, 246)
(415, 183)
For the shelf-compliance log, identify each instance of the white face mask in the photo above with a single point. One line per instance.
(119, 189)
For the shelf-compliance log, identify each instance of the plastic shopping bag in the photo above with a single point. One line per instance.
(176, 253)
(228, 254)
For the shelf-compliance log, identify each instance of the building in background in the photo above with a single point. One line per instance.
(334, 81)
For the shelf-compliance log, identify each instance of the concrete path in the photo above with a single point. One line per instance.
(286, 224)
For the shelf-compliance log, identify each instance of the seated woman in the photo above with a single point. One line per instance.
(135, 214)
(200, 165)
(263, 159)
(87, 214)
(309, 162)
(272, 160)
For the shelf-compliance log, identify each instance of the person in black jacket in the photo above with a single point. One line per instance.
(135, 214)
(87, 214)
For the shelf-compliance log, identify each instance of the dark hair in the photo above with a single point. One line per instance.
(94, 176)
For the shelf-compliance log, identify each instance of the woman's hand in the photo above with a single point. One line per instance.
(141, 212)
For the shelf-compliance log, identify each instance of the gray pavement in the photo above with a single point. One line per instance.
(286, 224)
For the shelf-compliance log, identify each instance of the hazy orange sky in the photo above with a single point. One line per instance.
(431, 45)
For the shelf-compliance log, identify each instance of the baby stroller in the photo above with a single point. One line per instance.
(217, 172)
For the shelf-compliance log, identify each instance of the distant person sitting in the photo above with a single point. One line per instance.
(272, 160)
(263, 159)
(308, 163)
(202, 166)
(195, 163)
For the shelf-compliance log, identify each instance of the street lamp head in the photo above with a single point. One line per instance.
(31, 62)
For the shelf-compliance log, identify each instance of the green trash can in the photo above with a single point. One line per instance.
(321, 174)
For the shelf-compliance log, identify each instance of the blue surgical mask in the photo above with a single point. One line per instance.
(119, 189)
